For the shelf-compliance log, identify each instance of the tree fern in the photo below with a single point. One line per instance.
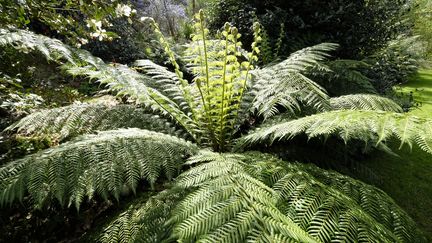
(83, 118)
(220, 197)
(368, 126)
(104, 164)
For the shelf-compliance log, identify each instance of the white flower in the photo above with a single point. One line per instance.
(124, 10)
(94, 23)
(98, 24)
(83, 41)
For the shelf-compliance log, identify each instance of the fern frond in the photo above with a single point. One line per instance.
(366, 196)
(283, 84)
(127, 82)
(305, 58)
(53, 49)
(290, 91)
(364, 102)
(347, 75)
(27, 41)
(105, 164)
(166, 82)
(257, 197)
(231, 207)
(144, 220)
(368, 126)
(82, 118)
(343, 77)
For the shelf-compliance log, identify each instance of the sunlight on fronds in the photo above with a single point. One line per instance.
(371, 127)
(242, 197)
(109, 163)
(125, 81)
(53, 49)
(27, 41)
(81, 118)
(283, 84)
(364, 102)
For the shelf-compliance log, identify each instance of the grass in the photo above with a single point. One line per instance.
(408, 178)
(421, 86)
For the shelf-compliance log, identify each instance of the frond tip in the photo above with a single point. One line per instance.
(364, 102)
(372, 127)
(108, 163)
(284, 84)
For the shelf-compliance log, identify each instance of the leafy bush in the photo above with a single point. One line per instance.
(360, 27)
(395, 63)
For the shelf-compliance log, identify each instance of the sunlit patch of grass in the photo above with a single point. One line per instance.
(408, 178)
(421, 86)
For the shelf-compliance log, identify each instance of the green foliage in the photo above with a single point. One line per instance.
(256, 197)
(226, 197)
(283, 84)
(83, 118)
(422, 16)
(345, 77)
(110, 163)
(395, 63)
(364, 102)
(361, 27)
(371, 127)
(63, 18)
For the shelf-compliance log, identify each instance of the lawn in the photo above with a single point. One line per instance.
(408, 178)
(421, 86)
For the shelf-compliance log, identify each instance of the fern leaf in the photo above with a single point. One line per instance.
(364, 102)
(27, 41)
(82, 118)
(144, 220)
(127, 82)
(168, 83)
(283, 84)
(368, 126)
(53, 49)
(366, 196)
(104, 164)
(230, 207)
(229, 204)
